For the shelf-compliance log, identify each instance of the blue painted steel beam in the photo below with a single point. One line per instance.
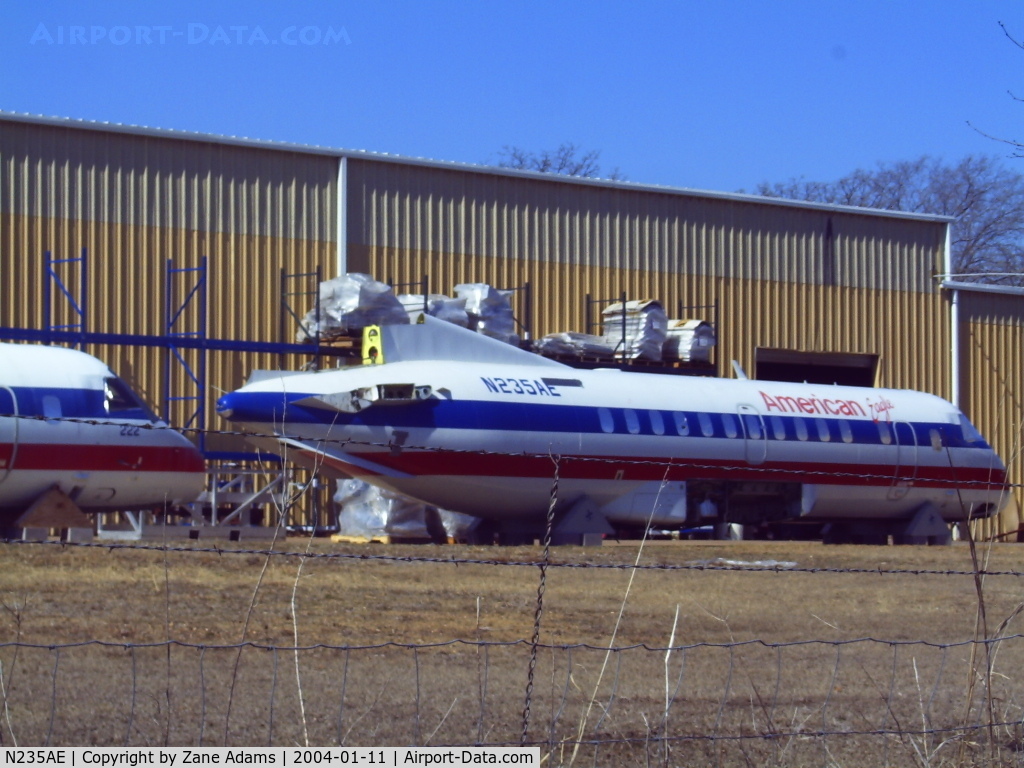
(128, 339)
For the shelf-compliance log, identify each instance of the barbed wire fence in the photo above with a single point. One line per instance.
(660, 701)
(47, 701)
(809, 701)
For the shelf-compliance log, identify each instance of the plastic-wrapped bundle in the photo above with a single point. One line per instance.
(437, 305)
(636, 331)
(352, 302)
(689, 340)
(365, 510)
(572, 343)
(490, 312)
(456, 524)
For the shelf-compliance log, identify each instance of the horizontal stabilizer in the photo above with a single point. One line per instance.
(318, 455)
(433, 339)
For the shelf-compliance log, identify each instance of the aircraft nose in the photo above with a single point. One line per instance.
(224, 406)
(228, 405)
(247, 405)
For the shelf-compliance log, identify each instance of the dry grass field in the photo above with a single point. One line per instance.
(837, 660)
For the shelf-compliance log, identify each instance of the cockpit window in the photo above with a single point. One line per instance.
(970, 432)
(120, 400)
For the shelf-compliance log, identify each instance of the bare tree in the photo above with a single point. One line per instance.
(568, 160)
(1018, 146)
(984, 197)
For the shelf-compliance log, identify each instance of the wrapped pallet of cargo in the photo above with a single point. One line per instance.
(571, 344)
(348, 303)
(436, 305)
(489, 310)
(635, 329)
(367, 513)
(689, 340)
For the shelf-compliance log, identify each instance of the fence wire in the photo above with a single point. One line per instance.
(661, 701)
(863, 702)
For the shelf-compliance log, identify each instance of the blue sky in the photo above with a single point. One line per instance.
(708, 95)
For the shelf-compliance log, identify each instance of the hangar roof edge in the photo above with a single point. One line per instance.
(362, 154)
(1006, 290)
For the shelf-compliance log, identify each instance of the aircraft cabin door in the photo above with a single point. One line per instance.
(755, 434)
(8, 431)
(905, 473)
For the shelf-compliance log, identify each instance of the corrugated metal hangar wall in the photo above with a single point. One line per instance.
(991, 331)
(136, 201)
(783, 276)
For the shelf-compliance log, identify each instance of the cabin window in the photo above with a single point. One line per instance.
(778, 427)
(607, 420)
(905, 434)
(632, 421)
(707, 428)
(823, 433)
(657, 422)
(753, 425)
(845, 431)
(682, 425)
(801, 429)
(732, 428)
(936, 439)
(51, 407)
(884, 433)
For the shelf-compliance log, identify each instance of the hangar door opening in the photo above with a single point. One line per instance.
(815, 367)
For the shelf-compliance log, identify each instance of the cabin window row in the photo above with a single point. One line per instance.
(630, 420)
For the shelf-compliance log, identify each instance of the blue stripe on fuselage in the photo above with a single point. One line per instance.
(551, 417)
(73, 403)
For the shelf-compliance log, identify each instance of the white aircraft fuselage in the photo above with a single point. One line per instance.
(67, 422)
(473, 425)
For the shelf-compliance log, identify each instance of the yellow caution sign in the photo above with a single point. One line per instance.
(373, 349)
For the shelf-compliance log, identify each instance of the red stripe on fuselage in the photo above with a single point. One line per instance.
(640, 468)
(55, 457)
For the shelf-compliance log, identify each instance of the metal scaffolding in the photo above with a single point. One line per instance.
(240, 500)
